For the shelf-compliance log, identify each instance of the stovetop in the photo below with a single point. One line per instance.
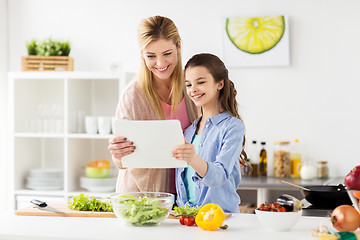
(314, 211)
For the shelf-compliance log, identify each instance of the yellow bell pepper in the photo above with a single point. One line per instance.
(210, 217)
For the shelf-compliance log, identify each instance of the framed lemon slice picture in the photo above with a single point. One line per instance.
(256, 41)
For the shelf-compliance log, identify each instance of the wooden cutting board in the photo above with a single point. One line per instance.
(34, 211)
(31, 210)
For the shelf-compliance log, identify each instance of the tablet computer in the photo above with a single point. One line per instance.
(154, 140)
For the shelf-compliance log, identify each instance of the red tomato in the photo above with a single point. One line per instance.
(275, 205)
(282, 209)
(189, 221)
(267, 207)
(182, 220)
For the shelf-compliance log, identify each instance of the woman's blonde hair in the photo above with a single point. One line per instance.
(149, 30)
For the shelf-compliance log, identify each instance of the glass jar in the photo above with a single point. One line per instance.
(322, 170)
(282, 164)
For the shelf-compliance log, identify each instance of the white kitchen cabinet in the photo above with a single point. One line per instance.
(46, 126)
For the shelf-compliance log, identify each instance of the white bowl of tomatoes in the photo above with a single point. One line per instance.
(277, 217)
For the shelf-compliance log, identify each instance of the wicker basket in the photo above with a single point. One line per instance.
(47, 63)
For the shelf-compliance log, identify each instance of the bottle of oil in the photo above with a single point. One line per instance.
(295, 159)
(254, 159)
(263, 160)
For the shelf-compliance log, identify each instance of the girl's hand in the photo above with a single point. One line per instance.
(185, 152)
(120, 147)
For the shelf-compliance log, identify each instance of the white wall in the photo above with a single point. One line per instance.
(315, 99)
(3, 104)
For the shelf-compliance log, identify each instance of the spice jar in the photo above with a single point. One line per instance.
(282, 164)
(322, 170)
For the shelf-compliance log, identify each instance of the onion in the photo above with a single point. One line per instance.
(345, 218)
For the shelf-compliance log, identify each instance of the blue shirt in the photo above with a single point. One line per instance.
(189, 172)
(220, 146)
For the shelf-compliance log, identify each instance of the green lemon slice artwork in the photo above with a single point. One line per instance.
(255, 35)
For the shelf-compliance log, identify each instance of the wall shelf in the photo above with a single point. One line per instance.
(46, 127)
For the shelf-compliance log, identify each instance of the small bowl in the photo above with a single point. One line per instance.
(278, 221)
(98, 169)
(98, 184)
(47, 173)
(142, 208)
(92, 172)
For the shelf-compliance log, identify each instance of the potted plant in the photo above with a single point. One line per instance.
(47, 55)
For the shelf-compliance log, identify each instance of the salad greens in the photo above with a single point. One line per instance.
(186, 211)
(140, 211)
(83, 202)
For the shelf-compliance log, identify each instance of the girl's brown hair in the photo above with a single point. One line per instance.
(227, 95)
(149, 30)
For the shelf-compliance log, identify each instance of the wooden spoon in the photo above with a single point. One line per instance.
(294, 185)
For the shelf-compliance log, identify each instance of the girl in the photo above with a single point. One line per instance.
(213, 173)
(157, 94)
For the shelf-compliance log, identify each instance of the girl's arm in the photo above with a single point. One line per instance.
(187, 153)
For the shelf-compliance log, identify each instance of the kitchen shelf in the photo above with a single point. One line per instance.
(71, 135)
(88, 136)
(28, 192)
(47, 130)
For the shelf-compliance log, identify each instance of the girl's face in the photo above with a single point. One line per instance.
(201, 87)
(161, 57)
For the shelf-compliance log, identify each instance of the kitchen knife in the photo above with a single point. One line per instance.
(43, 206)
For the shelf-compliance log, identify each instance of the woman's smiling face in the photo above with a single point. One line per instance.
(161, 58)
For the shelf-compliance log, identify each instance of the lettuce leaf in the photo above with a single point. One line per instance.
(186, 211)
(84, 202)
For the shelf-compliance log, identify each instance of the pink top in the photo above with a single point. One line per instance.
(182, 115)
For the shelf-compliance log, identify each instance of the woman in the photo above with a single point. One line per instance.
(157, 94)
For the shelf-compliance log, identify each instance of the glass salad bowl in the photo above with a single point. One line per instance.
(142, 208)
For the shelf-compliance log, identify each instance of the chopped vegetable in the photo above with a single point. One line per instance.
(210, 217)
(339, 236)
(224, 227)
(186, 211)
(140, 211)
(84, 202)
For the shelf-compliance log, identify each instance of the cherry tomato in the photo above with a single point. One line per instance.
(189, 221)
(282, 209)
(275, 205)
(182, 220)
(267, 207)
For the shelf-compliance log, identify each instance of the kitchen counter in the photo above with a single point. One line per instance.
(241, 226)
(263, 185)
(276, 184)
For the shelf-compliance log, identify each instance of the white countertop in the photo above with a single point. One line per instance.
(241, 226)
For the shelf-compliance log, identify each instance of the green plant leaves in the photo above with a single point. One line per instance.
(48, 47)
